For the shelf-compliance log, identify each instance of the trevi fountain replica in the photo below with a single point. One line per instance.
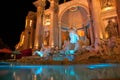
(72, 32)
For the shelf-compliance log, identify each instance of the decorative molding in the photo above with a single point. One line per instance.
(73, 8)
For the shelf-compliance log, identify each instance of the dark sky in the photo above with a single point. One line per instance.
(13, 14)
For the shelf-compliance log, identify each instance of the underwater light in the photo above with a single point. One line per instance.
(97, 66)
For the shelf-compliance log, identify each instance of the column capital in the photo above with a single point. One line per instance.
(40, 3)
(54, 5)
(31, 15)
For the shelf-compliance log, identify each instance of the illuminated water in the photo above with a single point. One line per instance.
(59, 72)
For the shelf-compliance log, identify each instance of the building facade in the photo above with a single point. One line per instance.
(49, 26)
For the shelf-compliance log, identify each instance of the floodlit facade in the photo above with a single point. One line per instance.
(48, 26)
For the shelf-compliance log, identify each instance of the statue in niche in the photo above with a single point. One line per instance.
(74, 37)
(111, 29)
(46, 36)
(106, 3)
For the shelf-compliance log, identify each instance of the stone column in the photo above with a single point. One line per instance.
(118, 14)
(92, 35)
(54, 33)
(40, 4)
(60, 43)
(96, 19)
(26, 39)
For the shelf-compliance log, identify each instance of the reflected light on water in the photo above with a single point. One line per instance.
(96, 66)
(59, 72)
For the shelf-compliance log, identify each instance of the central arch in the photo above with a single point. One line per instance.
(74, 15)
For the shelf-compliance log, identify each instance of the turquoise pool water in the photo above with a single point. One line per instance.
(12, 71)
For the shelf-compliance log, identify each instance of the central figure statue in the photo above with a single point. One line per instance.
(74, 38)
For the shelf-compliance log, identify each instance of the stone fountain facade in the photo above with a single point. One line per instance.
(47, 26)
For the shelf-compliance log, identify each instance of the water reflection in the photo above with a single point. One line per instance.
(59, 72)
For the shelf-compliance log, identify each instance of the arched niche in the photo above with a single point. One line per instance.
(76, 16)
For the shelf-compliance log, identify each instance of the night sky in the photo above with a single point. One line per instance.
(13, 15)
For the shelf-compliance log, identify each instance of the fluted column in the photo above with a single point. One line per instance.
(54, 33)
(40, 4)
